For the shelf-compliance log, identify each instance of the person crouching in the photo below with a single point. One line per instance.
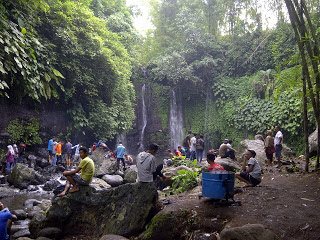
(252, 173)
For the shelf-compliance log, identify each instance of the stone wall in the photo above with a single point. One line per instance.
(53, 119)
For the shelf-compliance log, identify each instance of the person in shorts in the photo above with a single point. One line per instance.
(86, 169)
(252, 172)
(50, 149)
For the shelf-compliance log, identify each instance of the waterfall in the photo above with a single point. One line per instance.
(144, 118)
(176, 121)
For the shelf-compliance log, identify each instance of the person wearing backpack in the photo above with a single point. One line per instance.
(187, 144)
(200, 148)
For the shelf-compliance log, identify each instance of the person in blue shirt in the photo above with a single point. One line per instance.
(50, 149)
(5, 222)
(120, 155)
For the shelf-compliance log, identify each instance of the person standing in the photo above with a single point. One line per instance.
(120, 155)
(59, 153)
(54, 151)
(200, 148)
(269, 148)
(278, 140)
(16, 153)
(187, 144)
(68, 149)
(76, 157)
(9, 158)
(22, 152)
(193, 143)
(50, 149)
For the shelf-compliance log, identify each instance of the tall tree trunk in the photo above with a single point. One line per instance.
(305, 122)
(298, 24)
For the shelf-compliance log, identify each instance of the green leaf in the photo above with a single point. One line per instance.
(57, 73)
(47, 77)
(23, 31)
(21, 23)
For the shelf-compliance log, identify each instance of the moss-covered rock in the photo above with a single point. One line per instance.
(167, 225)
(123, 210)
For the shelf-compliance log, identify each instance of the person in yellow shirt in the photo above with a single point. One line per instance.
(86, 169)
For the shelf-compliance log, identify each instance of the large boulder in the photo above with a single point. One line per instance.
(99, 184)
(258, 147)
(255, 145)
(130, 176)
(113, 180)
(103, 165)
(248, 232)
(21, 176)
(50, 185)
(227, 163)
(313, 141)
(122, 211)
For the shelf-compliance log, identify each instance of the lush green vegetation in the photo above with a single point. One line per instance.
(236, 77)
(73, 54)
(25, 130)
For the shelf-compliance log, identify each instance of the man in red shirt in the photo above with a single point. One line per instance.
(213, 166)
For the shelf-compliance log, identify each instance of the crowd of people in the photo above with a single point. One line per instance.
(148, 170)
(15, 154)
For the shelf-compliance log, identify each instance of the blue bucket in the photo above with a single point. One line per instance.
(218, 184)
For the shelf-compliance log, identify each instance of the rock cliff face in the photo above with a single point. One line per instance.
(52, 120)
(123, 210)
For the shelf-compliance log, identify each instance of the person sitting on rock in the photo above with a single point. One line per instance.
(226, 150)
(147, 169)
(86, 169)
(252, 173)
(211, 156)
(128, 160)
(6, 219)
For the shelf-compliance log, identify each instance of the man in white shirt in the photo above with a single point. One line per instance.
(193, 143)
(278, 140)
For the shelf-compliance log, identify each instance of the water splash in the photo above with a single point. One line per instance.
(176, 121)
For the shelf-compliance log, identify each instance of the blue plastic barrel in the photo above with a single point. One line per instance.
(218, 184)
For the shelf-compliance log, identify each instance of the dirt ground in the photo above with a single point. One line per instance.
(287, 204)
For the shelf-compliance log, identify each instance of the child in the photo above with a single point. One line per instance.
(252, 173)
